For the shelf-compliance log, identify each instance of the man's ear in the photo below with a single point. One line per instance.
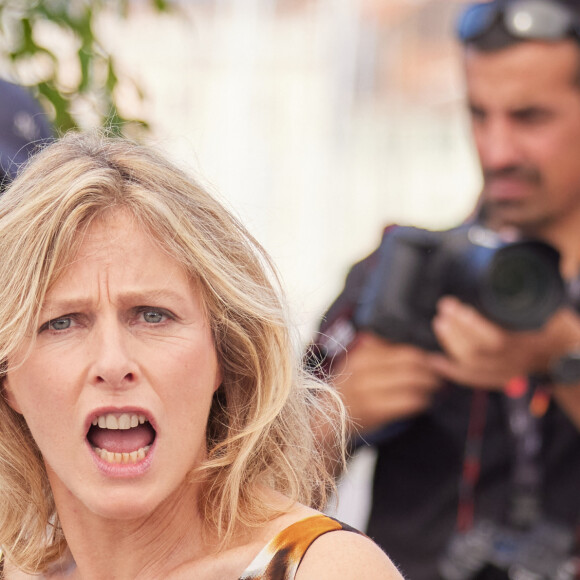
(9, 396)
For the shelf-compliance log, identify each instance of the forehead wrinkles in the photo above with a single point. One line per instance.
(80, 281)
(77, 246)
(121, 261)
(100, 246)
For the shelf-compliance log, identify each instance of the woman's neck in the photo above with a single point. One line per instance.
(147, 547)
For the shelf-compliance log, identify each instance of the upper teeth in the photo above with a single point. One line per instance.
(123, 421)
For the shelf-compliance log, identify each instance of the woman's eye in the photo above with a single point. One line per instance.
(57, 324)
(60, 324)
(153, 316)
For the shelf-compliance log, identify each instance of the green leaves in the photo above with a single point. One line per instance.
(58, 104)
(78, 88)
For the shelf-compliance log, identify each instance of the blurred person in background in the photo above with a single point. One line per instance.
(23, 127)
(477, 446)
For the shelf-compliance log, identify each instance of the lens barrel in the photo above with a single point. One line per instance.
(522, 286)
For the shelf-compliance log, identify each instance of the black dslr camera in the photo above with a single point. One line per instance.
(517, 285)
(496, 552)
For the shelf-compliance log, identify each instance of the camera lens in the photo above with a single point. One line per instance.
(523, 286)
(519, 281)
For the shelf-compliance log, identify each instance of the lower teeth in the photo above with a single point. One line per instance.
(133, 457)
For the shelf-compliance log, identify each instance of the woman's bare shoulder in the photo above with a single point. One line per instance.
(346, 555)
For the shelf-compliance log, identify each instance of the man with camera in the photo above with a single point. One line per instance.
(478, 459)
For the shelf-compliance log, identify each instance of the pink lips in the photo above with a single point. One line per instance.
(118, 448)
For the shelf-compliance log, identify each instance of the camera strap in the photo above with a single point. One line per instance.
(527, 471)
(471, 460)
(524, 425)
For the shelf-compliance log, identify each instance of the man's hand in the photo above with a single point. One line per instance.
(381, 382)
(479, 353)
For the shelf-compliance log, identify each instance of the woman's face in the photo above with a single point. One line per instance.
(117, 387)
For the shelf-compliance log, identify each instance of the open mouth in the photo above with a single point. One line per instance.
(121, 437)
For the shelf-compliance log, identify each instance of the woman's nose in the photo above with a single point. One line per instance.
(113, 365)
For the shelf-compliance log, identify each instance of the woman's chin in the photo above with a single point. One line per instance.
(123, 506)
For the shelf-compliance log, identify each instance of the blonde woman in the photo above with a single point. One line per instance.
(155, 422)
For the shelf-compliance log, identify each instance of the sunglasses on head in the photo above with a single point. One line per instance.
(523, 19)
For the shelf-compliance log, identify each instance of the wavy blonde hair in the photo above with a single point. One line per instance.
(261, 425)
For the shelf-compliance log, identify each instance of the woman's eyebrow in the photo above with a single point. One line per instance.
(156, 295)
(65, 304)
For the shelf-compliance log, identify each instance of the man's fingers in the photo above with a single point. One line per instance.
(461, 328)
(487, 377)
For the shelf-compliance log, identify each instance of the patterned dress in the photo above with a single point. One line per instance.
(280, 558)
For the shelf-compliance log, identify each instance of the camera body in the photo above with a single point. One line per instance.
(489, 550)
(515, 284)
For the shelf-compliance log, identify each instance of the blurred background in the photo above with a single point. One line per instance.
(318, 122)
